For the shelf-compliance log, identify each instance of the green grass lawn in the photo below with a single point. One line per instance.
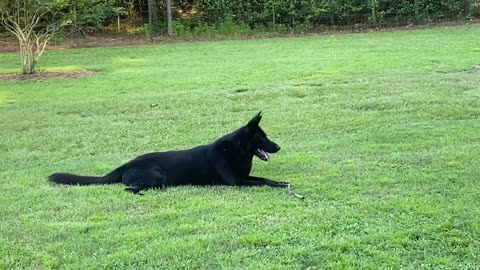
(380, 131)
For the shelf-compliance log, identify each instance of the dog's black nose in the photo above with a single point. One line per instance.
(277, 148)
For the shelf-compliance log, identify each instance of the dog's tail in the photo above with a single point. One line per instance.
(72, 179)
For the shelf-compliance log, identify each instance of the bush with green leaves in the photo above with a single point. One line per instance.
(86, 16)
(307, 14)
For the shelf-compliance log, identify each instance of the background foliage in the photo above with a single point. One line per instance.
(206, 17)
(88, 16)
(303, 15)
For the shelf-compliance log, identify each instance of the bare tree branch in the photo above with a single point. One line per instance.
(30, 23)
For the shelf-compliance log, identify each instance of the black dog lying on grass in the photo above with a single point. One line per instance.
(227, 161)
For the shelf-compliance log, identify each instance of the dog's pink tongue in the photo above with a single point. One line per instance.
(264, 154)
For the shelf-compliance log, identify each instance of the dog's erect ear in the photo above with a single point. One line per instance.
(252, 124)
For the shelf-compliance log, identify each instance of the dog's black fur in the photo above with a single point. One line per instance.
(227, 161)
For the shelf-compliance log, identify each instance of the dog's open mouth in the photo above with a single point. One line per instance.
(262, 155)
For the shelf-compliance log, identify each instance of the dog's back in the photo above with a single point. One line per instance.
(183, 167)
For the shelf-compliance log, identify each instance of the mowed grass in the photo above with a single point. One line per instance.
(379, 131)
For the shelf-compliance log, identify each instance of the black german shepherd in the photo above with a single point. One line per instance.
(227, 161)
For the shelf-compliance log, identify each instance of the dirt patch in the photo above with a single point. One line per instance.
(11, 44)
(8, 45)
(105, 41)
(40, 76)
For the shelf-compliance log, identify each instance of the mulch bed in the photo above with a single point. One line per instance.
(39, 76)
(11, 44)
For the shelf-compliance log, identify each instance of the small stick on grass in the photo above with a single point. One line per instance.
(292, 192)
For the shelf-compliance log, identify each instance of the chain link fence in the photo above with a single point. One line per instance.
(208, 17)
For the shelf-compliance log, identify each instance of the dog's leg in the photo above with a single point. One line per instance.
(228, 178)
(138, 179)
(254, 178)
(259, 181)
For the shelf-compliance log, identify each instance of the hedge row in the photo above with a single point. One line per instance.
(313, 13)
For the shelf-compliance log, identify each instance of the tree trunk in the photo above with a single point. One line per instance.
(154, 13)
(169, 17)
(150, 20)
(273, 16)
(416, 8)
(374, 13)
(27, 56)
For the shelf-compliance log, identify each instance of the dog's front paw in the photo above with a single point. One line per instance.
(284, 184)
